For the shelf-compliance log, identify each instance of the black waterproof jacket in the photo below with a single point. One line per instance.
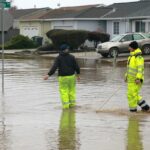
(66, 65)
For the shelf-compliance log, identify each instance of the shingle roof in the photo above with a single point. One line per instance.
(95, 12)
(116, 10)
(35, 15)
(80, 7)
(129, 9)
(22, 12)
(63, 12)
(142, 12)
(8, 21)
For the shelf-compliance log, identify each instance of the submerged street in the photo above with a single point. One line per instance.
(31, 117)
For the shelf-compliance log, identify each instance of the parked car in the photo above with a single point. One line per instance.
(120, 43)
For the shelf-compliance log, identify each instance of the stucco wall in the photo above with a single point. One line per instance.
(64, 24)
(77, 25)
(88, 25)
(124, 27)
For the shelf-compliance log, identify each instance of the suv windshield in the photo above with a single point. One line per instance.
(117, 38)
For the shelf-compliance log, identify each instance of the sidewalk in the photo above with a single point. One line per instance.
(79, 55)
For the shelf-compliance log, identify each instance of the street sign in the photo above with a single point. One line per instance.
(2, 1)
(6, 4)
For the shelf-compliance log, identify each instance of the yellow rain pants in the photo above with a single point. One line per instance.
(133, 95)
(67, 88)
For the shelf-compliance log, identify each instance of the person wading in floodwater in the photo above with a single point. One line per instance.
(68, 71)
(135, 78)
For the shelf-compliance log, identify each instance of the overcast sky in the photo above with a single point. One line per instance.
(53, 3)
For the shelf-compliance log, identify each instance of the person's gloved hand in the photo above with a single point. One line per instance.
(138, 81)
(46, 77)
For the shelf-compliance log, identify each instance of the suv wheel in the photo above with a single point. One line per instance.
(146, 49)
(113, 52)
(105, 55)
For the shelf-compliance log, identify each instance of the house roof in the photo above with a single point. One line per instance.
(95, 12)
(130, 9)
(142, 12)
(8, 21)
(35, 15)
(80, 7)
(114, 11)
(63, 12)
(18, 13)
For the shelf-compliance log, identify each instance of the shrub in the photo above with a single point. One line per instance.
(20, 42)
(48, 47)
(98, 37)
(74, 38)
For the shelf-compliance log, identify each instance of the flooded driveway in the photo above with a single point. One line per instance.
(31, 117)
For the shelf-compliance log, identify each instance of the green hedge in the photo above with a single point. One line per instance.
(74, 38)
(20, 42)
(97, 37)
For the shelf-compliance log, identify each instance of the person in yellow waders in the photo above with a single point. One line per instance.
(135, 78)
(68, 71)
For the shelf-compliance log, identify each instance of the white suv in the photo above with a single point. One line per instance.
(120, 43)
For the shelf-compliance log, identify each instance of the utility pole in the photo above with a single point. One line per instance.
(3, 5)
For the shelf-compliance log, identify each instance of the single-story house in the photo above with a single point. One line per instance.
(64, 18)
(18, 13)
(11, 21)
(33, 25)
(8, 27)
(128, 17)
(114, 19)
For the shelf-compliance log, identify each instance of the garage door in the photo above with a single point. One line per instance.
(30, 31)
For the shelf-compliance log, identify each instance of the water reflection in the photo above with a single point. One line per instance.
(133, 134)
(3, 132)
(67, 130)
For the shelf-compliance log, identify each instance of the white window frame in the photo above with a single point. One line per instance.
(116, 27)
(141, 25)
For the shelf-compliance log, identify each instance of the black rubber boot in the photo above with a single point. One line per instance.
(146, 108)
(133, 110)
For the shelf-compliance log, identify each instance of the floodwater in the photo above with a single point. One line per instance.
(31, 117)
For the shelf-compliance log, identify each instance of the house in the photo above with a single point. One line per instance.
(33, 24)
(128, 17)
(114, 19)
(11, 21)
(18, 13)
(79, 17)
(8, 27)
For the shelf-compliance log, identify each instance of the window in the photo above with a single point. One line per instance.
(139, 26)
(138, 37)
(127, 38)
(149, 27)
(116, 28)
